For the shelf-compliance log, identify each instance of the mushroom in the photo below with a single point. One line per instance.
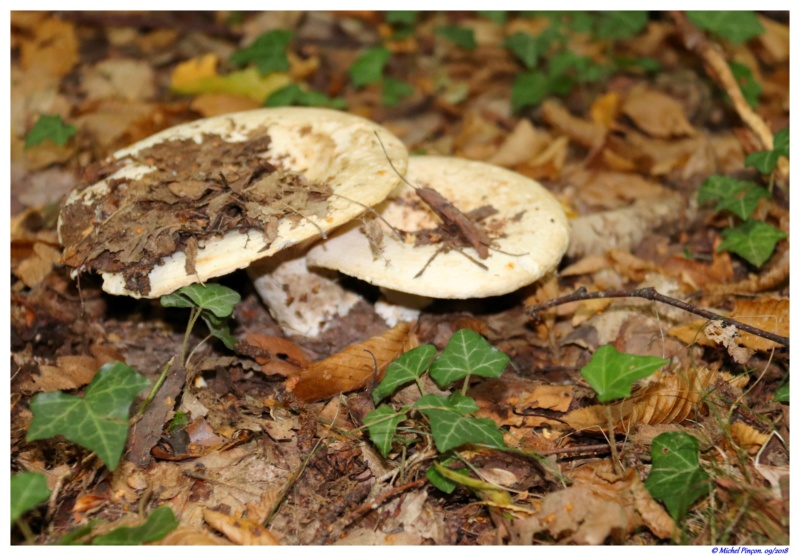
(203, 199)
(527, 227)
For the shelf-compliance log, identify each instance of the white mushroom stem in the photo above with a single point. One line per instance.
(395, 306)
(303, 302)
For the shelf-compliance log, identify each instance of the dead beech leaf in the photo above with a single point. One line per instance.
(584, 132)
(522, 144)
(275, 355)
(214, 104)
(657, 114)
(668, 398)
(38, 265)
(70, 371)
(127, 79)
(53, 49)
(629, 491)
(354, 367)
(747, 437)
(243, 532)
(549, 396)
(194, 69)
(548, 163)
(186, 535)
(605, 109)
(769, 314)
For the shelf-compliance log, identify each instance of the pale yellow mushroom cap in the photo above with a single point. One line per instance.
(326, 147)
(530, 234)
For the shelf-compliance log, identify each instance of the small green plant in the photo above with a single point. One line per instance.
(211, 302)
(765, 161)
(753, 240)
(736, 26)
(460, 36)
(28, 490)
(369, 68)
(750, 88)
(267, 52)
(99, 420)
(294, 95)
(49, 128)
(159, 523)
(450, 418)
(553, 69)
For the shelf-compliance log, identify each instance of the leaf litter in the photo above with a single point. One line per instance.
(624, 159)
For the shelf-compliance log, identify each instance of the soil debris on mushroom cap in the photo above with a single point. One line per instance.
(203, 199)
(526, 226)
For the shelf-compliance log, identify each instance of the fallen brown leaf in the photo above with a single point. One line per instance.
(243, 532)
(186, 535)
(277, 356)
(69, 372)
(38, 265)
(657, 114)
(354, 367)
(584, 132)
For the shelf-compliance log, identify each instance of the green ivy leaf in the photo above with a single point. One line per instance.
(754, 241)
(49, 128)
(368, 68)
(611, 373)
(467, 353)
(441, 482)
(498, 16)
(650, 65)
(736, 26)
(581, 22)
(382, 424)
(99, 420)
(676, 477)
(28, 490)
(218, 326)
(765, 161)
(529, 89)
(781, 394)
(451, 424)
(460, 36)
(620, 25)
(750, 88)
(406, 17)
(215, 298)
(525, 47)
(737, 196)
(406, 368)
(159, 523)
(268, 52)
(294, 95)
(394, 90)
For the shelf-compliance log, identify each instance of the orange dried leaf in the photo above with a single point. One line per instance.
(354, 367)
(747, 437)
(71, 371)
(668, 398)
(769, 314)
(241, 531)
(657, 114)
(584, 132)
(548, 396)
(604, 110)
(194, 70)
(53, 50)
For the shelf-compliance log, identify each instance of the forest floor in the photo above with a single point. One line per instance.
(660, 135)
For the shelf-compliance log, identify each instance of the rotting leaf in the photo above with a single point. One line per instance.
(352, 368)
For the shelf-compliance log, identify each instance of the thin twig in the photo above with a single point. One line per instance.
(650, 293)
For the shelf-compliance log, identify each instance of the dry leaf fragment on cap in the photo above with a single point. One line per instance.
(203, 199)
(525, 225)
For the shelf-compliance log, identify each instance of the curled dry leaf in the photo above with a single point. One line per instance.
(629, 491)
(583, 132)
(244, 532)
(38, 265)
(657, 114)
(522, 144)
(668, 398)
(769, 314)
(747, 437)
(69, 372)
(354, 367)
(275, 355)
